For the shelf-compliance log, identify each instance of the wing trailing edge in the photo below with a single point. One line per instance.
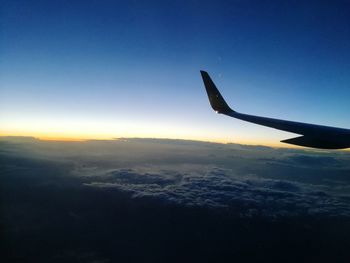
(319, 143)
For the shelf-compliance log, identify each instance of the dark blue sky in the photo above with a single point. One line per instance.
(102, 69)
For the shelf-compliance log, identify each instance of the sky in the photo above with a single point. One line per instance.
(109, 69)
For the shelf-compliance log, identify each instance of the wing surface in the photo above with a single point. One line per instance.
(316, 136)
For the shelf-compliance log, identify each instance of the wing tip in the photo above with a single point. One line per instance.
(216, 100)
(204, 73)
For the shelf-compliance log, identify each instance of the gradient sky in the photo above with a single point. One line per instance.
(106, 69)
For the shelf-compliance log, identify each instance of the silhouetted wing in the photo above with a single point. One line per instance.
(316, 136)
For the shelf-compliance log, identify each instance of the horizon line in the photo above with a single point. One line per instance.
(75, 139)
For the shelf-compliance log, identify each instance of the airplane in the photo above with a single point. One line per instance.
(312, 135)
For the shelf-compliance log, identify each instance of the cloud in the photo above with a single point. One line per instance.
(112, 198)
(219, 188)
(307, 160)
(246, 179)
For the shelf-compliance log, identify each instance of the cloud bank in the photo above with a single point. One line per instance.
(218, 188)
(245, 179)
(135, 200)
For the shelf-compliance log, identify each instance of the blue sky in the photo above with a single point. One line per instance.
(104, 69)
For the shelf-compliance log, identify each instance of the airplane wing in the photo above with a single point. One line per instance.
(312, 135)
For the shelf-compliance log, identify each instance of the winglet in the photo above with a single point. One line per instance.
(216, 100)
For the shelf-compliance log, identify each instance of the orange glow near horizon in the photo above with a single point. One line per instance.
(82, 130)
(74, 131)
(66, 137)
(83, 138)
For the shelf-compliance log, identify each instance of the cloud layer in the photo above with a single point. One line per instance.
(165, 200)
(219, 188)
(245, 179)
